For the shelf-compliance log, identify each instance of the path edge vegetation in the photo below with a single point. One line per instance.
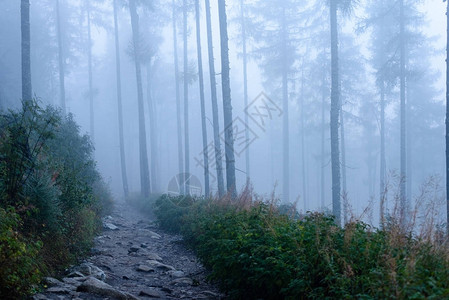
(257, 249)
(51, 197)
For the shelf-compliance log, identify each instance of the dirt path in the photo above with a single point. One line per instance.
(134, 259)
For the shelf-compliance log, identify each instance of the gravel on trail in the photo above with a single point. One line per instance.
(134, 259)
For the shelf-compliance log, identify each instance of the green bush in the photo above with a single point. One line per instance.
(257, 252)
(51, 192)
(19, 271)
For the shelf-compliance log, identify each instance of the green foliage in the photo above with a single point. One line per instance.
(51, 193)
(19, 271)
(257, 252)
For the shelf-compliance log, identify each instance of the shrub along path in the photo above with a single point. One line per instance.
(134, 259)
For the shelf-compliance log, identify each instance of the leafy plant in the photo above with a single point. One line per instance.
(257, 251)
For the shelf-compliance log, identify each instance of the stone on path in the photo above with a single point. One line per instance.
(152, 293)
(153, 256)
(89, 269)
(183, 280)
(110, 226)
(143, 268)
(50, 281)
(177, 274)
(156, 264)
(98, 287)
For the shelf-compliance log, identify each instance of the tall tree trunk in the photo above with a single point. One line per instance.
(334, 115)
(178, 96)
(303, 146)
(408, 143)
(403, 159)
(186, 100)
(203, 109)
(382, 140)
(27, 94)
(91, 90)
(245, 85)
(119, 105)
(227, 105)
(153, 133)
(144, 172)
(343, 168)
(60, 60)
(285, 126)
(447, 119)
(214, 100)
(323, 151)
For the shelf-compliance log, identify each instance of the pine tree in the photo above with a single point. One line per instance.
(119, 104)
(144, 171)
(26, 50)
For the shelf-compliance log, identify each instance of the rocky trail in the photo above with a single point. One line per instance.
(134, 259)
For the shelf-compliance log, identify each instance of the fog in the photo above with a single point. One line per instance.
(281, 132)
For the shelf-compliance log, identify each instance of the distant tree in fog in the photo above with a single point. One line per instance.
(61, 59)
(344, 6)
(202, 104)
(276, 29)
(26, 50)
(227, 105)
(143, 154)
(119, 104)
(214, 100)
(178, 96)
(447, 119)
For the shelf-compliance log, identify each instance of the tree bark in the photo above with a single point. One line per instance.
(403, 153)
(323, 152)
(227, 105)
(186, 101)
(343, 167)
(144, 171)
(334, 115)
(382, 192)
(447, 120)
(27, 94)
(285, 126)
(60, 60)
(213, 88)
(245, 86)
(303, 146)
(201, 86)
(119, 105)
(91, 91)
(178, 96)
(153, 133)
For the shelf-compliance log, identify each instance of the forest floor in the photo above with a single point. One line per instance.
(134, 259)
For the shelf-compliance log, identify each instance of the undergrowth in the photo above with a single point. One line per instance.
(51, 197)
(255, 251)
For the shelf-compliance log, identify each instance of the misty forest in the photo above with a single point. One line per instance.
(215, 149)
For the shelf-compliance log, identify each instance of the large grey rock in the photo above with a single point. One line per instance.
(152, 293)
(88, 269)
(50, 281)
(182, 281)
(153, 256)
(94, 286)
(75, 281)
(159, 265)
(177, 274)
(110, 226)
(149, 233)
(143, 268)
(65, 290)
